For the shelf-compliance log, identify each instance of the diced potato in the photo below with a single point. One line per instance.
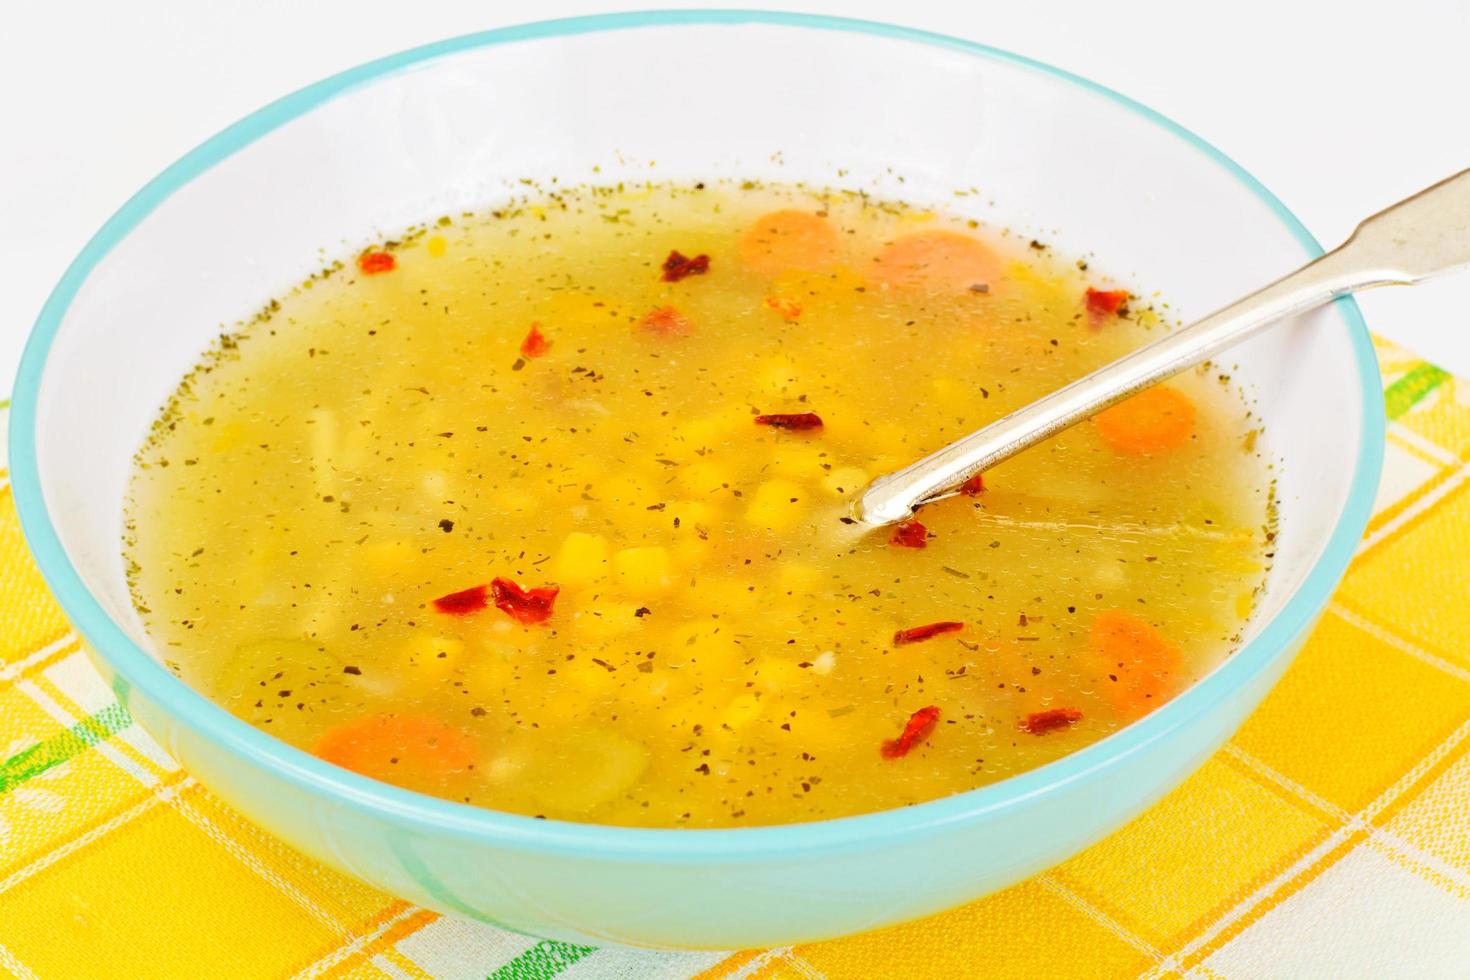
(714, 429)
(725, 595)
(581, 559)
(776, 505)
(707, 646)
(387, 554)
(644, 570)
(778, 374)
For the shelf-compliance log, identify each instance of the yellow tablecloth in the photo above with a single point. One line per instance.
(1330, 837)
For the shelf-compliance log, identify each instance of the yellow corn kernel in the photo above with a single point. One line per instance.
(845, 481)
(428, 658)
(643, 570)
(776, 505)
(581, 559)
(741, 711)
(436, 245)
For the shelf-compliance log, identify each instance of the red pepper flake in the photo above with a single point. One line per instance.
(974, 486)
(1054, 719)
(915, 730)
(677, 266)
(909, 534)
(789, 309)
(667, 322)
(535, 343)
(1105, 302)
(796, 421)
(916, 633)
(372, 263)
(526, 606)
(463, 603)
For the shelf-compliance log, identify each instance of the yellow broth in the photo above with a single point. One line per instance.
(722, 650)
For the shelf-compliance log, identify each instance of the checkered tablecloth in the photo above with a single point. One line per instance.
(1330, 837)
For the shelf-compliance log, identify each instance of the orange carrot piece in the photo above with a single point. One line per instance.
(937, 260)
(788, 239)
(1140, 665)
(915, 730)
(401, 746)
(1153, 421)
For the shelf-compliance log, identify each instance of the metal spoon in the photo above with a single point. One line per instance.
(1421, 237)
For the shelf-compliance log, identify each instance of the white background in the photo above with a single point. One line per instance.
(1340, 108)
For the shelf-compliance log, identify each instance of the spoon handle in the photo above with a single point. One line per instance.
(1422, 236)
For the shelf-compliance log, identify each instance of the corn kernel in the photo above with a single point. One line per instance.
(645, 569)
(436, 245)
(581, 559)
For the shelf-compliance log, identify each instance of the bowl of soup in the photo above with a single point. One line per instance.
(451, 464)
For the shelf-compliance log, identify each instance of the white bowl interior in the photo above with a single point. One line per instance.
(899, 119)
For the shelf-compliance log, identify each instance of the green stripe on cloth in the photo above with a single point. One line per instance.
(31, 762)
(542, 961)
(1409, 389)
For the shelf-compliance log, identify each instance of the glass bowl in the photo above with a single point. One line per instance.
(679, 96)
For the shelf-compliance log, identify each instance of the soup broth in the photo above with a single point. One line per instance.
(545, 510)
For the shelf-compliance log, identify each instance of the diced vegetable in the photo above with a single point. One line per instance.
(525, 606)
(395, 747)
(678, 266)
(1140, 666)
(1102, 303)
(582, 558)
(909, 534)
(789, 239)
(915, 730)
(787, 308)
(1051, 720)
(795, 421)
(535, 343)
(372, 263)
(937, 260)
(914, 634)
(464, 602)
(1153, 421)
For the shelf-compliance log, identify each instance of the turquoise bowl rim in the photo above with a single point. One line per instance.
(135, 669)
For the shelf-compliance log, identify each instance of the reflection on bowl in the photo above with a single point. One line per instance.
(454, 125)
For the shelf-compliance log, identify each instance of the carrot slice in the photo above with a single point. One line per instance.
(909, 534)
(788, 239)
(1140, 664)
(1153, 421)
(788, 308)
(395, 747)
(937, 260)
